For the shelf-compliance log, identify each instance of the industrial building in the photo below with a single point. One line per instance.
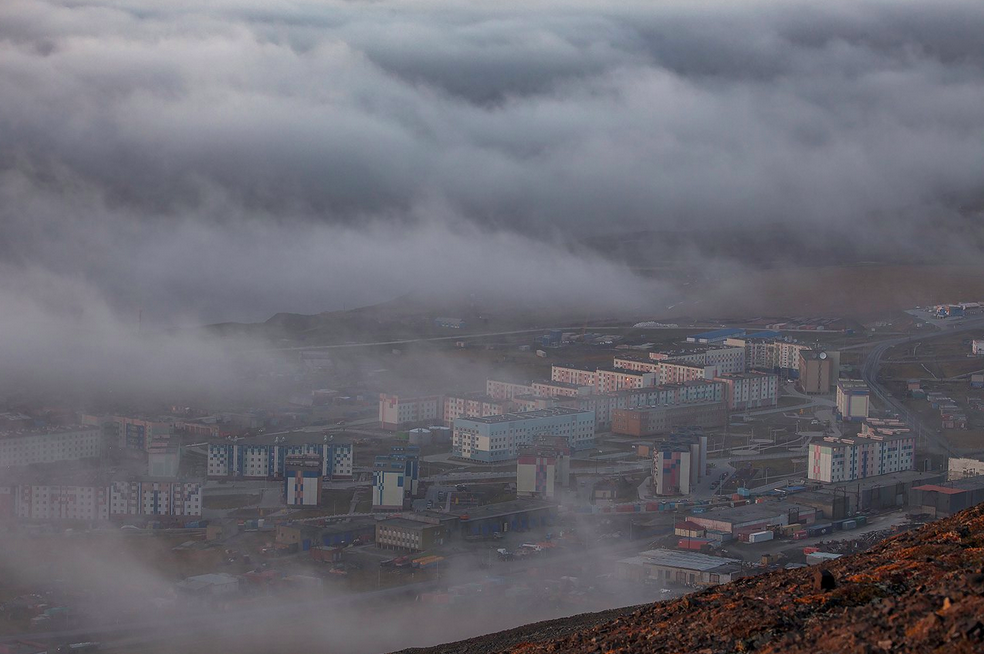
(398, 412)
(652, 420)
(943, 501)
(682, 568)
(679, 462)
(750, 390)
(302, 480)
(852, 400)
(755, 517)
(412, 535)
(499, 438)
(961, 468)
(883, 492)
(266, 459)
(516, 515)
(27, 447)
(716, 336)
(848, 458)
(543, 469)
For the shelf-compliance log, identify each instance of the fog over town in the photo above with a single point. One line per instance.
(362, 326)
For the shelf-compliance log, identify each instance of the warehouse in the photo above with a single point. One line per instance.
(944, 501)
(682, 568)
(752, 517)
(516, 515)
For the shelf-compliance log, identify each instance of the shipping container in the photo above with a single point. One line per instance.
(760, 536)
(695, 544)
(800, 535)
(849, 524)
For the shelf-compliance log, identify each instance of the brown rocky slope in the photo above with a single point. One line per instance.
(922, 591)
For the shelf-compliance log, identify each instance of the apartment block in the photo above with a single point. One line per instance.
(500, 438)
(398, 412)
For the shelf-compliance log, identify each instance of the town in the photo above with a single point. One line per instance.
(596, 468)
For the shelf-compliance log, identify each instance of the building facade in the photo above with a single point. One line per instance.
(395, 478)
(500, 438)
(679, 463)
(49, 446)
(815, 372)
(302, 480)
(649, 421)
(267, 461)
(472, 405)
(852, 400)
(750, 390)
(837, 459)
(542, 470)
(398, 412)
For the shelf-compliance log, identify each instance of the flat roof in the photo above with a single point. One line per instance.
(502, 508)
(719, 333)
(903, 477)
(526, 415)
(749, 512)
(681, 559)
(405, 523)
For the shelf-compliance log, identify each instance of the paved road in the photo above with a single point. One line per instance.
(872, 364)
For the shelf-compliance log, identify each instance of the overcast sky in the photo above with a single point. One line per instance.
(228, 159)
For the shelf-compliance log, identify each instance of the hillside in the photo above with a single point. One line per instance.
(921, 591)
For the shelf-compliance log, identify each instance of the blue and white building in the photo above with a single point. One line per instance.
(395, 477)
(267, 461)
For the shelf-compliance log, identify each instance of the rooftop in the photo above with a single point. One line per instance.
(750, 512)
(502, 508)
(684, 560)
(524, 415)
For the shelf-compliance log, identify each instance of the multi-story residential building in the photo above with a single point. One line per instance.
(676, 372)
(639, 365)
(769, 353)
(679, 462)
(851, 458)
(22, 448)
(560, 389)
(649, 421)
(577, 375)
(500, 438)
(472, 405)
(815, 372)
(852, 400)
(395, 478)
(398, 412)
(750, 390)
(102, 501)
(153, 497)
(61, 502)
(302, 480)
(267, 460)
(609, 380)
(503, 390)
(543, 469)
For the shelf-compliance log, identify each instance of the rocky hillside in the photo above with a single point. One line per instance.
(921, 591)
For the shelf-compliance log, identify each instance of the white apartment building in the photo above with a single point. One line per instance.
(629, 363)
(856, 457)
(750, 390)
(503, 390)
(266, 461)
(70, 444)
(609, 380)
(574, 375)
(500, 438)
(560, 389)
(472, 405)
(400, 412)
(119, 499)
(677, 372)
